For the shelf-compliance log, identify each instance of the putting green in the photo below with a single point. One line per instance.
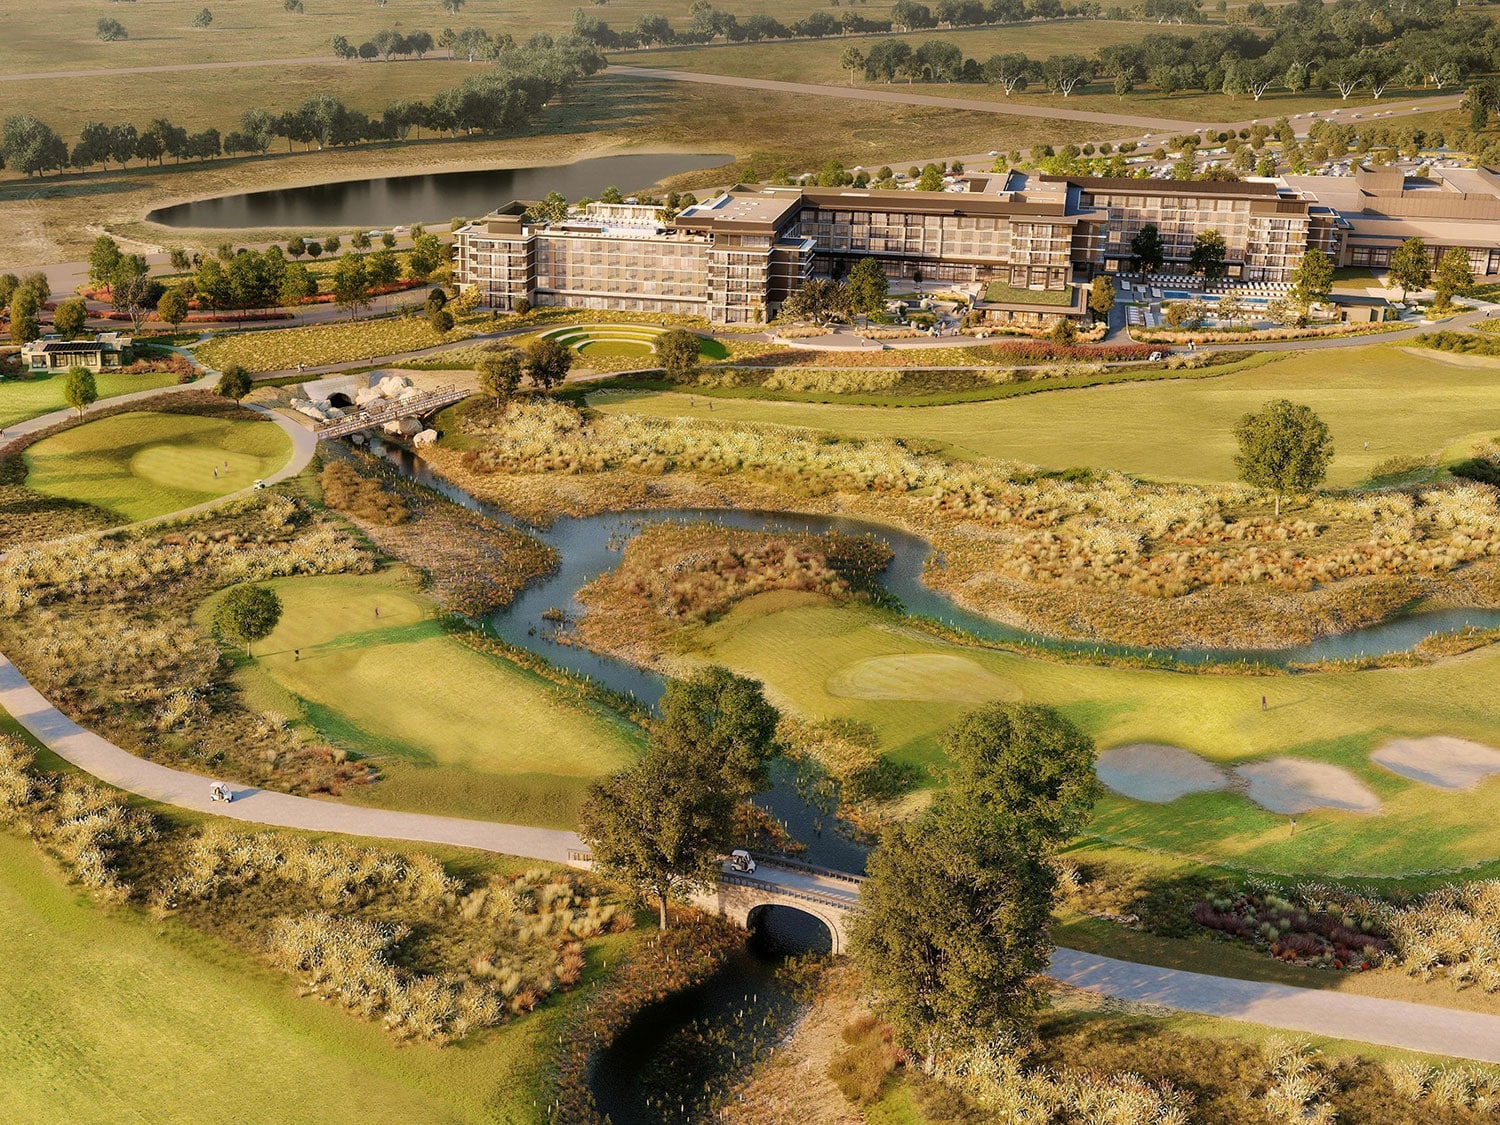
(1379, 401)
(451, 729)
(140, 465)
(809, 656)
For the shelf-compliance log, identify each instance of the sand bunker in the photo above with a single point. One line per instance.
(930, 676)
(1439, 761)
(1293, 785)
(1148, 771)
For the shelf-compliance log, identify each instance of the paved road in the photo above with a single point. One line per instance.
(1415, 1027)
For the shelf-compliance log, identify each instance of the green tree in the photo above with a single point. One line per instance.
(297, 285)
(1284, 447)
(547, 362)
(173, 306)
(203, 19)
(234, 382)
(247, 614)
(952, 928)
(179, 259)
(132, 289)
(296, 246)
(351, 284)
(1411, 266)
(662, 824)
(1453, 277)
(678, 352)
(931, 179)
(552, 209)
(25, 305)
(1207, 255)
(868, 286)
(104, 260)
(383, 267)
(110, 30)
(360, 240)
(1312, 280)
(425, 257)
(1101, 297)
(1146, 249)
(500, 374)
(332, 244)
(819, 300)
(79, 389)
(70, 317)
(853, 60)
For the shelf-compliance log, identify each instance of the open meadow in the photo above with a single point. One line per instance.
(36, 395)
(140, 465)
(1380, 402)
(362, 661)
(862, 664)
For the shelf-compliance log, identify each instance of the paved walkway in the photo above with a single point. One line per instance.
(1416, 1027)
(1365, 1019)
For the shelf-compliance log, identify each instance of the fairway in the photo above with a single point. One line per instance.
(103, 1019)
(142, 465)
(452, 730)
(21, 399)
(809, 658)
(1400, 404)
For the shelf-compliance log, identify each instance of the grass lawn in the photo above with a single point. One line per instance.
(452, 730)
(106, 1016)
(141, 465)
(21, 399)
(1175, 429)
(279, 349)
(858, 663)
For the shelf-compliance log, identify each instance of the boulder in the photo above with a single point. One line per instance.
(410, 427)
(425, 438)
(366, 396)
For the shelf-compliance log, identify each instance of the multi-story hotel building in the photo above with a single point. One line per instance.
(1024, 241)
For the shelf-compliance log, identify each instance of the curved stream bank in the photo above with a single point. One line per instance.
(591, 545)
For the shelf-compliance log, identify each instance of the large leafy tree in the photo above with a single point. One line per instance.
(868, 286)
(662, 824)
(500, 374)
(1454, 276)
(818, 300)
(678, 352)
(1146, 249)
(351, 284)
(1411, 266)
(1101, 297)
(1207, 255)
(952, 927)
(234, 382)
(1284, 447)
(248, 614)
(548, 362)
(1312, 281)
(70, 317)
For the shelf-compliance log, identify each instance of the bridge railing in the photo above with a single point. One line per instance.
(809, 868)
(834, 901)
(388, 412)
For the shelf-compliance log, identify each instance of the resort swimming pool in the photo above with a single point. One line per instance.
(1184, 295)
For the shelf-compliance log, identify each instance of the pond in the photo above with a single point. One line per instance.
(431, 198)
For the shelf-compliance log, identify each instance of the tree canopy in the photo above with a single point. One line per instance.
(1411, 266)
(678, 352)
(248, 614)
(868, 286)
(79, 389)
(1283, 447)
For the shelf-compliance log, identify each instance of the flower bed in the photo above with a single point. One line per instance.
(1330, 936)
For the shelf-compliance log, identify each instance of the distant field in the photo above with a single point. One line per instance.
(451, 730)
(161, 31)
(1401, 404)
(28, 398)
(827, 662)
(818, 61)
(141, 465)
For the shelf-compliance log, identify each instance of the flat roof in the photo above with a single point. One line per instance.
(1259, 189)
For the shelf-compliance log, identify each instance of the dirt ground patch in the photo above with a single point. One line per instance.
(921, 675)
(1454, 359)
(1293, 785)
(1439, 760)
(1149, 771)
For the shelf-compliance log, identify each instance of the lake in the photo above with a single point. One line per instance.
(434, 198)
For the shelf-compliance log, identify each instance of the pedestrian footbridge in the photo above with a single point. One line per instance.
(381, 411)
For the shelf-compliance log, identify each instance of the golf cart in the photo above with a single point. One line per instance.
(218, 791)
(739, 860)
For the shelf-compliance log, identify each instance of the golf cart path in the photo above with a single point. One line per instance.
(1415, 1027)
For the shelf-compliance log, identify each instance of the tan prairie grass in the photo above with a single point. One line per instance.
(1097, 556)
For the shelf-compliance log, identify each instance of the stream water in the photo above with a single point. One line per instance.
(687, 1043)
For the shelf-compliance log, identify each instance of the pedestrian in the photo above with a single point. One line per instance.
(296, 655)
(377, 612)
(216, 472)
(1294, 826)
(1263, 703)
